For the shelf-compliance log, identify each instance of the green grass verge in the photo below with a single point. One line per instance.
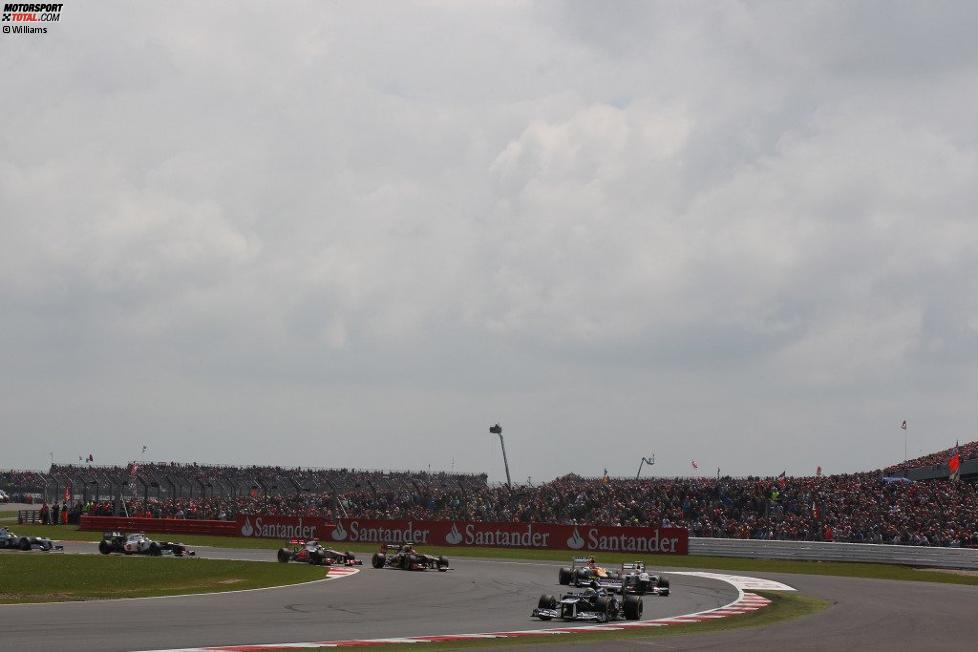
(837, 569)
(784, 606)
(35, 577)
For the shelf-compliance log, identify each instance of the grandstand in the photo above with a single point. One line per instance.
(934, 466)
(862, 507)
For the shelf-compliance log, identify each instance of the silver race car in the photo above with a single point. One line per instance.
(592, 604)
(17, 542)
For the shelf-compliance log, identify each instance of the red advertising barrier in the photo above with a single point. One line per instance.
(167, 525)
(585, 538)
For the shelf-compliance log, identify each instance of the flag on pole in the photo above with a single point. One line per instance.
(695, 465)
(782, 479)
(91, 458)
(605, 478)
(818, 471)
(954, 464)
(903, 426)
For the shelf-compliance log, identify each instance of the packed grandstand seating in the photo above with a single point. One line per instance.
(861, 507)
(968, 451)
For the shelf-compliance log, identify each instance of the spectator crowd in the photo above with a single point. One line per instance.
(863, 507)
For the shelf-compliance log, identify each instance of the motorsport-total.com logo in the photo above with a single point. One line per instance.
(26, 15)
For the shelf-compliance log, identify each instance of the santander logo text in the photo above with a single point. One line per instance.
(454, 537)
(575, 542)
(580, 536)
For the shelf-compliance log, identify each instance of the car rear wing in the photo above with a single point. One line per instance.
(638, 566)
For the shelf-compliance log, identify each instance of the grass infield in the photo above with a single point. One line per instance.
(838, 569)
(37, 577)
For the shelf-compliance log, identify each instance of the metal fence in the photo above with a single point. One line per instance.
(966, 558)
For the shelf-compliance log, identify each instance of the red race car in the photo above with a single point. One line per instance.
(313, 552)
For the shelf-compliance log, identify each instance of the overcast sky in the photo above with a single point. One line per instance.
(359, 233)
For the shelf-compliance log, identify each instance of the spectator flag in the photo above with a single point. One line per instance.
(903, 426)
(782, 479)
(695, 465)
(91, 458)
(605, 478)
(818, 471)
(954, 464)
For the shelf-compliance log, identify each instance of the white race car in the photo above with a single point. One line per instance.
(138, 543)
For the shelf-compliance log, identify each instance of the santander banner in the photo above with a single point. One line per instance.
(586, 538)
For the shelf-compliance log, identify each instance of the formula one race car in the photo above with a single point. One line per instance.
(599, 605)
(629, 578)
(581, 571)
(138, 543)
(632, 578)
(10, 540)
(313, 552)
(636, 579)
(405, 557)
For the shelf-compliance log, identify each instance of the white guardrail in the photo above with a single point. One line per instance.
(826, 551)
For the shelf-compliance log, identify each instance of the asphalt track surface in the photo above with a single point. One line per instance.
(478, 596)
(485, 596)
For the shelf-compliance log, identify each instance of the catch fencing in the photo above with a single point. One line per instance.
(932, 557)
(164, 525)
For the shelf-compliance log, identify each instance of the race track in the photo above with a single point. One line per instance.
(482, 596)
(478, 596)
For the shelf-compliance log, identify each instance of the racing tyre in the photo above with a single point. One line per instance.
(377, 561)
(442, 564)
(104, 547)
(25, 544)
(603, 607)
(316, 559)
(583, 575)
(547, 602)
(664, 587)
(154, 550)
(284, 554)
(633, 607)
(565, 576)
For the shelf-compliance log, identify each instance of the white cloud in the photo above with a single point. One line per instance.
(710, 228)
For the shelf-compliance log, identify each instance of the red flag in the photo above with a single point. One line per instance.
(903, 426)
(67, 492)
(954, 464)
(695, 465)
